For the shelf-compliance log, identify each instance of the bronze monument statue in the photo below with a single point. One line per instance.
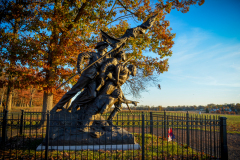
(100, 88)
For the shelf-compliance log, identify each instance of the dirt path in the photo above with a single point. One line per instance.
(233, 141)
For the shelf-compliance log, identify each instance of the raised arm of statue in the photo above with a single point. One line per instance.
(81, 58)
(129, 101)
(122, 99)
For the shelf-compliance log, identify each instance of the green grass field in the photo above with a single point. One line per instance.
(155, 148)
(160, 147)
(233, 121)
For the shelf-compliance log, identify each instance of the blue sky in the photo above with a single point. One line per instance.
(205, 65)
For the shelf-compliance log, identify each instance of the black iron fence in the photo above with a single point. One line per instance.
(144, 136)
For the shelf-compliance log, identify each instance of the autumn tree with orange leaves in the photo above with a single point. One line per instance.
(15, 69)
(57, 31)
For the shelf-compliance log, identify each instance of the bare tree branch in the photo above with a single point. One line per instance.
(112, 7)
(139, 83)
(80, 13)
(126, 8)
(121, 17)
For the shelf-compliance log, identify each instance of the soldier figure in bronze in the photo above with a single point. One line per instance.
(87, 76)
(90, 92)
(110, 94)
(99, 88)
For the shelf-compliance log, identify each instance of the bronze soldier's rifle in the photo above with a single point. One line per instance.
(114, 49)
(120, 42)
(100, 86)
(125, 98)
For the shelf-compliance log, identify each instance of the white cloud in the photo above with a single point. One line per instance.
(235, 66)
(213, 63)
(204, 68)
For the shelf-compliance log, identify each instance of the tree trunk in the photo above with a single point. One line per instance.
(47, 101)
(3, 90)
(9, 97)
(47, 105)
(13, 103)
(21, 103)
(32, 91)
(30, 103)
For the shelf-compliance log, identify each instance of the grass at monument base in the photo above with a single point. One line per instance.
(154, 148)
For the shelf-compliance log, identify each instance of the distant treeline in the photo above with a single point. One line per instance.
(208, 108)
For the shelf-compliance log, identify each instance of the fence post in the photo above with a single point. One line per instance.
(187, 117)
(47, 136)
(165, 125)
(143, 136)
(4, 127)
(21, 122)
(223, 138)
(151, 123)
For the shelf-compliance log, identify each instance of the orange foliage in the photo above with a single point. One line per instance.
(45, 55)
(232, 112)
(37, 97)
(22, 96)
(218, 111)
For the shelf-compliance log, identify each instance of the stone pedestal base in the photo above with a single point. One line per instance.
(92, 147)
(65, 130)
